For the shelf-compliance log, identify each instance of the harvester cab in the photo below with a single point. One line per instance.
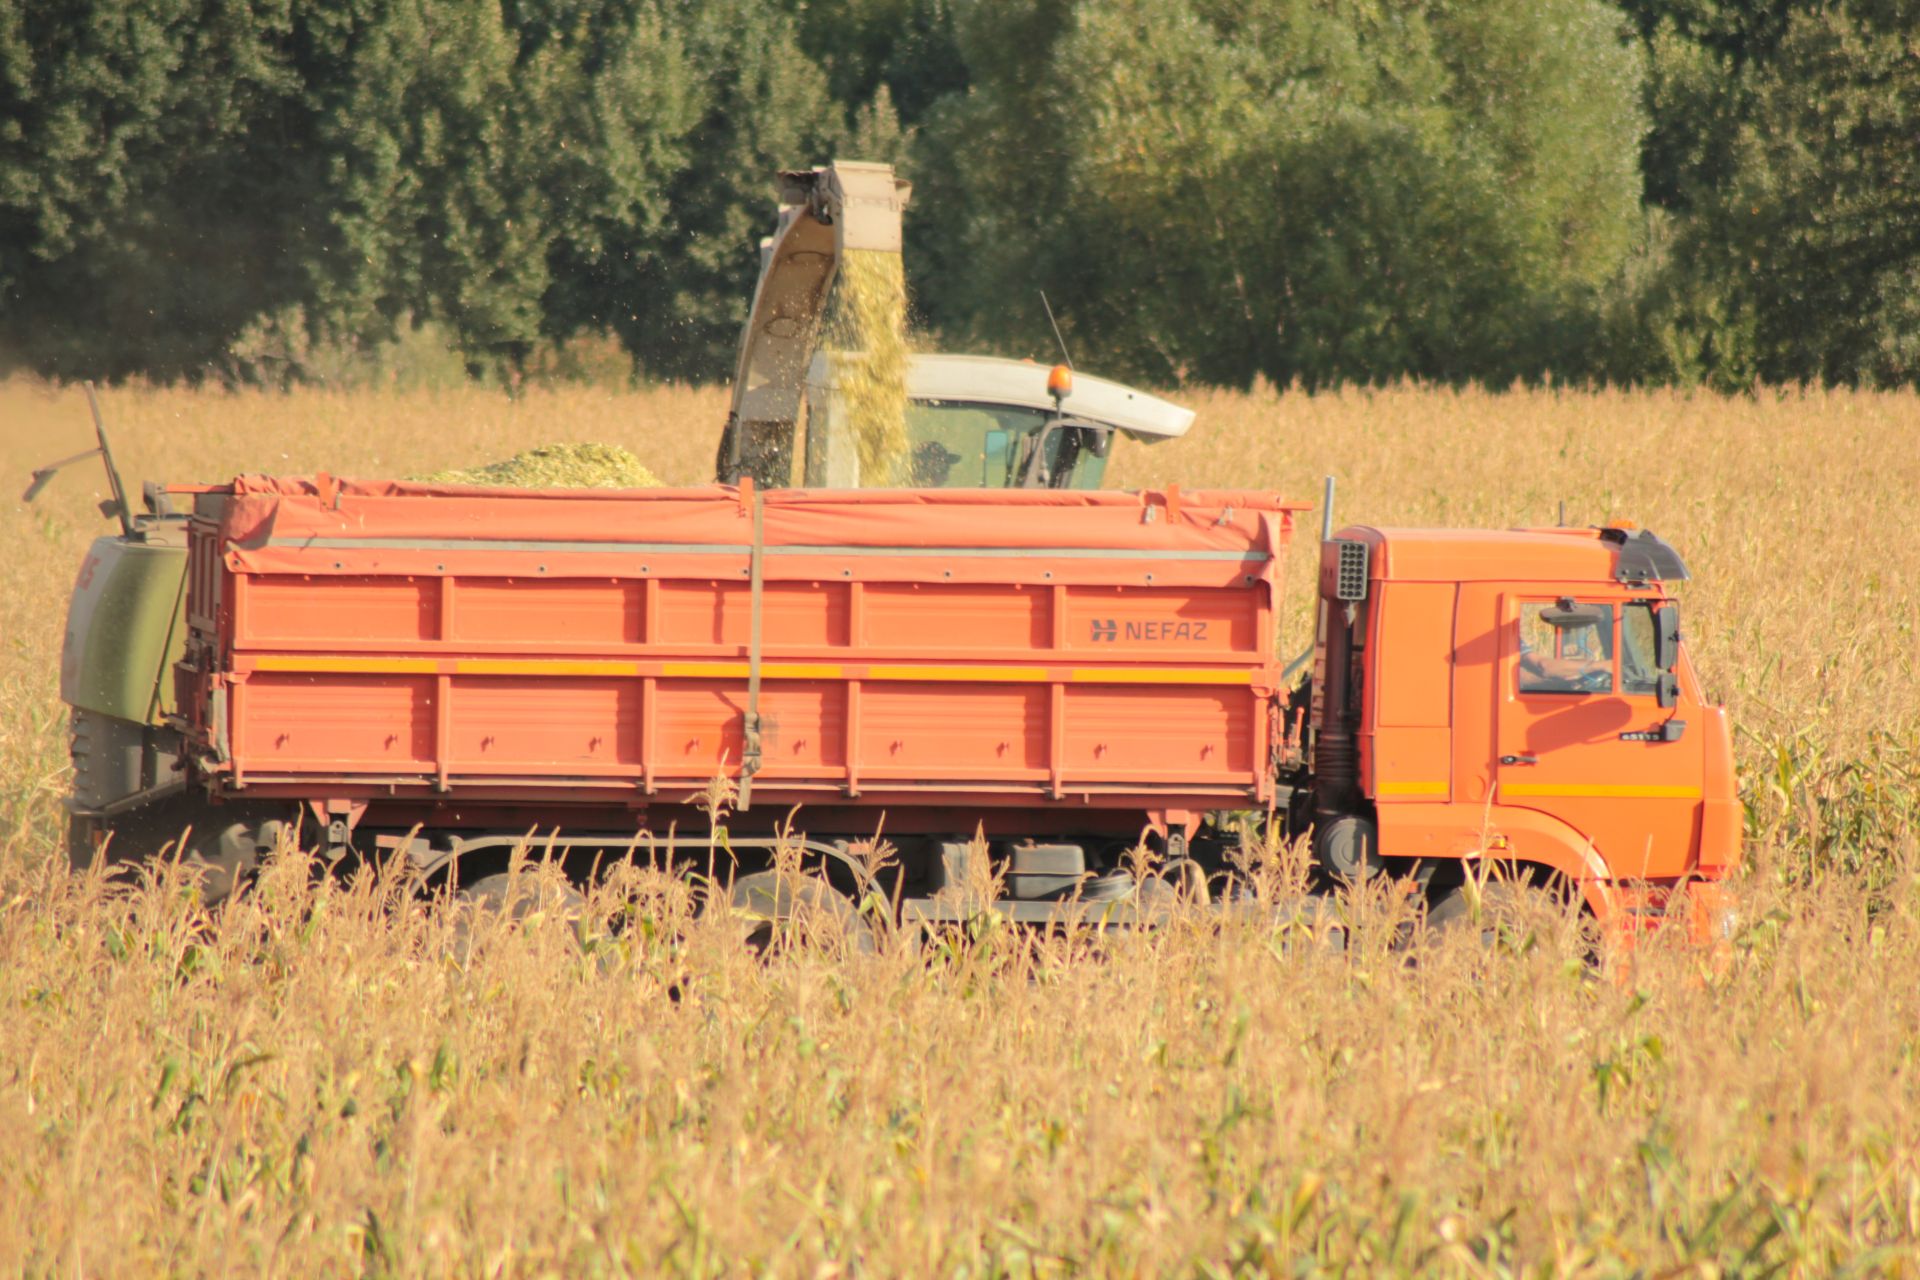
(972, 421)
(977, 422)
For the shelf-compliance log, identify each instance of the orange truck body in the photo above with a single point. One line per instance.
(431, 650)
(1040, 665)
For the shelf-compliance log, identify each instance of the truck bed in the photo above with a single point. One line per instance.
(361, 639)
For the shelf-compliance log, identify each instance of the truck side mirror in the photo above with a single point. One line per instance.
(1667, 688)
(995, 465)
(1666, 637)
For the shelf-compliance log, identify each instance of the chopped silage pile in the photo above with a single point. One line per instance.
(557, 466)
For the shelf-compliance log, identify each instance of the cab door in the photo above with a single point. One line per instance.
(1581, 733)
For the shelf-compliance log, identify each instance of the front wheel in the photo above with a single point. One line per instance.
(1511, 914)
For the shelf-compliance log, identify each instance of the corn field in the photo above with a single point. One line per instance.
(333, 1075)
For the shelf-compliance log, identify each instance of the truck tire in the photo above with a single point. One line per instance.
(124, 763)
(766, 899)
(1179, 886)
(1348, 847)
(500, 892)
(512, 897)
(120, 762)
(113, 760)
(221, 844)
(1509, 912)
(1310, 922)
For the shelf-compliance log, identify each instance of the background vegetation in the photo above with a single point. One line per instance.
(1210, 190)
(308, 1083)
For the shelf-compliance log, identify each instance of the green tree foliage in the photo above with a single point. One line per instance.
(429, 209)
(1218, 190)
(1784, 149)
(903, 48)
(764, 107)
(1831, 174)
(490, 177)
(1224, 188)
(176, 171)
(138, 213)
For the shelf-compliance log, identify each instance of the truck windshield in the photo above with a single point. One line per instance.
(974, 446)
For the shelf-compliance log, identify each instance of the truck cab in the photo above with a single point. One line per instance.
(1522, 695)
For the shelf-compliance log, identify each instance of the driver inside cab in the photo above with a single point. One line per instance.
(931, 464)
(1566, 659)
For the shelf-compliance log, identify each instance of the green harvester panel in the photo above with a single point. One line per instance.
(125, 630)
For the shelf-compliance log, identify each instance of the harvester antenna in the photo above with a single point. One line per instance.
(120, 507)
(1064, 353)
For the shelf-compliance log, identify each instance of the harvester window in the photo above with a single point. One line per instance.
(1566, 646)
(963, 446)
(1639, 668)
(968, 446)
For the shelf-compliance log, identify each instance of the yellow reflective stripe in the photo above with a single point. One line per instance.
(446, 666)
(768, 670)
(1411, 789)
(543, 667)
(1078, 675)
(1601, 790)
(1158, 675)
(716, 669)
(999, 675)
(350, 666)
(534, 667)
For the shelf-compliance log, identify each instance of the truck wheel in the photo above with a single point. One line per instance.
(1509, 913)
(1309, 923)
(766, 899)
(1179, 885)
(514, 899)
(517, 901)
(1348, 847)
(221, 844)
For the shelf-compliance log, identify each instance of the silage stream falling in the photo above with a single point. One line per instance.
(870, 326)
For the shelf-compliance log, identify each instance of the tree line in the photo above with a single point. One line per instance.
(1320, 191)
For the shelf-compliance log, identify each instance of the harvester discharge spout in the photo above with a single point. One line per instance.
(825, 212)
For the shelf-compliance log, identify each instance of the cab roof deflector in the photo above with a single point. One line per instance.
(1644, 557)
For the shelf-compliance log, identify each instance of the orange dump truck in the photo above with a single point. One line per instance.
(434, 671)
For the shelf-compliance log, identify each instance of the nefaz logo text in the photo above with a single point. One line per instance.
(1161, 631)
